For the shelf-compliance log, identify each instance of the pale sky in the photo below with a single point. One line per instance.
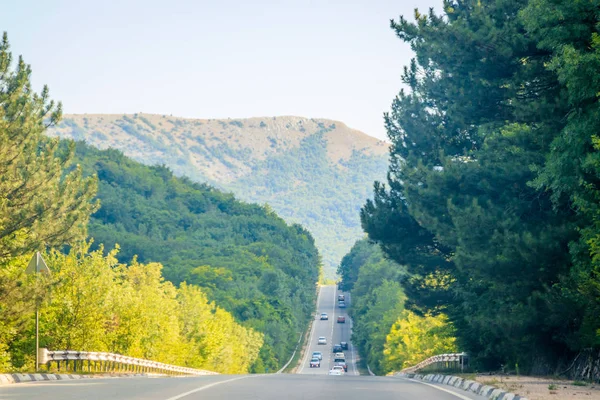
(335, 59)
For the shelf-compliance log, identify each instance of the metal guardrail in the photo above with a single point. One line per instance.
(110, 362)
(453, 360)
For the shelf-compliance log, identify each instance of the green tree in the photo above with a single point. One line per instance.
(40, 204)
(480, 241)
(413, 339)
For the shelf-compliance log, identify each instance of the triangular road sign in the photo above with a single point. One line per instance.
(37, 265)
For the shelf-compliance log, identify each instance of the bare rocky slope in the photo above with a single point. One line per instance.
(316, 172)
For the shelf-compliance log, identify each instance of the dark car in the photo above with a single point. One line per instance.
(341, 320)
(342, 304)
(337, 348)
(344, 345)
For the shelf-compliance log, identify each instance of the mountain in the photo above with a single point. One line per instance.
(315, 172)
(247, 259)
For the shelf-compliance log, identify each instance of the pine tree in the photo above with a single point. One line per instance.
(41, 202)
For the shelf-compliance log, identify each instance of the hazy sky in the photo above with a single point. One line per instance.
(334, 59)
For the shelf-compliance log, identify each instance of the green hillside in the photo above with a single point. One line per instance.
(314, 172)
(245, 257)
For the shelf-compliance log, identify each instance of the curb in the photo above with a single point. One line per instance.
(6, 379)
(470, 386)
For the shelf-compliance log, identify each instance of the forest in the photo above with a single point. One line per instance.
(243, 256)
(491, 206)
(312, 172)
(387, 334)
(142, 263)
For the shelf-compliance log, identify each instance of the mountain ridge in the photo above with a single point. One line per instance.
(316, 172)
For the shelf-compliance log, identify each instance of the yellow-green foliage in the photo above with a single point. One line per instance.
(413, 338)
(93, 303)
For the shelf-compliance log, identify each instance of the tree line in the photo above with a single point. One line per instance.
(388, 336)
(142, 263)
(492, 199)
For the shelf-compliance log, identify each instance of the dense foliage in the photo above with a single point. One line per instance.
(293, 164)
(387, 336)
(303, 186)
(38, 206)
(241, 282)
(491, 201)
(94, 303)
(244, 257)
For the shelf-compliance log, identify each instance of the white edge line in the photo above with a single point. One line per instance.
(350, 341)
(460, 396)
(310, 336)
(329, 365)
(179, 396)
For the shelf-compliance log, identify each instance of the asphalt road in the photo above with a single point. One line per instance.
(330, 329)
(309, 383)
(241, 387)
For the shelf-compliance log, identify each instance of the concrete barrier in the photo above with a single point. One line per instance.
(490, 392)
(6, 379)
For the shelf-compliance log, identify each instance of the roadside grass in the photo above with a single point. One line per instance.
(361, 366)
(295, 363)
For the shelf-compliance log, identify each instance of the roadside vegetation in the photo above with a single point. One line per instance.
(142, 263)
(492, 204)
(305, 169)
(388, 336)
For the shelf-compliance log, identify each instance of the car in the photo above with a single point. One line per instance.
(342, 304)
(337, 368)
(317, 354)
(336, 348)
(341, 320)
(341, 364)
(344, 345)
(315, 363)
(324, 317)
(322, 340)
(341, 297)
(339, 355)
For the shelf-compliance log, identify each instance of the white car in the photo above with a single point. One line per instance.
(317, 354)
(322, 340)
(337, 370)
(324, 317)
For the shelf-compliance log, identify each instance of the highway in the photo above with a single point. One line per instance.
(243, 387)
(308, 383)
(330, 329)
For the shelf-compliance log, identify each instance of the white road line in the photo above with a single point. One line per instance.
(329, 366)
(310, 337)
(352, 354)
(460, 396)
(179, 396)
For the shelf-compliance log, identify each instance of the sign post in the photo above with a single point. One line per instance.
(35, 266)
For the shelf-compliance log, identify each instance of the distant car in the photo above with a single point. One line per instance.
(322, 340)
(336, 348)
(341, 364)
(336, 372)
(317, 354)
(315, 363)
(341, 297)
(344, 345)
(342, 304)
(339, 355)
(337, 368)
(324, 317)
(341, 320)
